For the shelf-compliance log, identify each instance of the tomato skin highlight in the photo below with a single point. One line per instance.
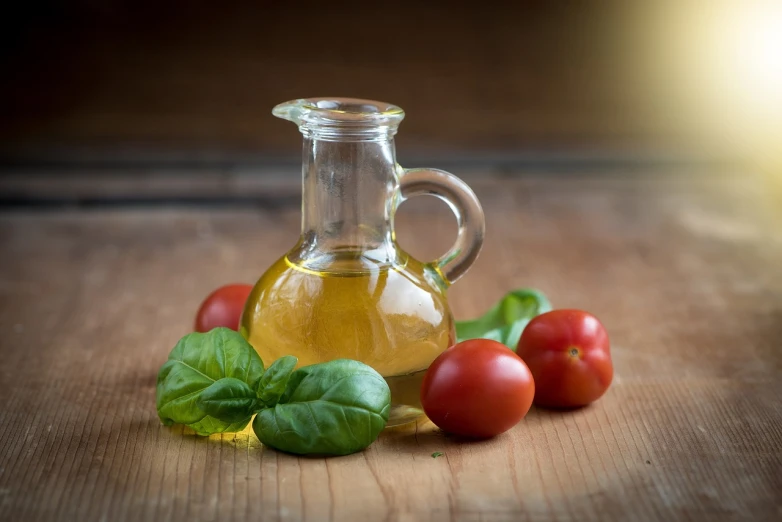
(569, 356)
(477, 388)
(223, 307)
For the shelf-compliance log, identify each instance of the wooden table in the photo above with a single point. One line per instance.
(684, 270)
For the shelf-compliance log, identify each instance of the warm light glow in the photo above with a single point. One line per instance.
(744, 66)
(754, 41)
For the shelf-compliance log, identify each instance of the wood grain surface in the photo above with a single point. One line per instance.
(685, 272)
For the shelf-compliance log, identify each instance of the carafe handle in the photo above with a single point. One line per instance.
(464, 204)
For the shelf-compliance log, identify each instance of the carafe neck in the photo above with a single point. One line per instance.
(348, 198)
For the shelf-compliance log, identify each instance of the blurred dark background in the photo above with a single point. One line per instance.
(117, 82)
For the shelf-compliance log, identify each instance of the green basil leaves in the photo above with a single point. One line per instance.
(505, 321)
(334, 408)
(197, 361)
(229, 400)
(275, 380)
(215, 382)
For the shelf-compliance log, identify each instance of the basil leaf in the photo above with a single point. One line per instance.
(333, 408)
(229, 400)
(275, 379)
(506, 320)
(195, 363)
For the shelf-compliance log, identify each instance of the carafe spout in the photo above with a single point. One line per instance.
(342, 119)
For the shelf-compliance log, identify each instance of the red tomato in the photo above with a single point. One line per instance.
(478, 388)
(223, 307)
(567, 353)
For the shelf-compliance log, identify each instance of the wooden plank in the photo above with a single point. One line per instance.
(683, 271)
(192, 179)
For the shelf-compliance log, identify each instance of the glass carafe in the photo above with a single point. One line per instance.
(346, 289)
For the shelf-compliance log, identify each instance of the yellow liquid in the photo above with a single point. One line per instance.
(389, 317)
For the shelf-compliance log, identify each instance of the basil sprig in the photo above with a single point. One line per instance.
(214, 382)
(505, 321)
(196, 363)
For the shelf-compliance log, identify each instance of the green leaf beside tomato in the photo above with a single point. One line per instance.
(505, 321)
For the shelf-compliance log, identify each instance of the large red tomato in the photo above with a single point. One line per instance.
(223, 307)
(478, 388)
(568, 354)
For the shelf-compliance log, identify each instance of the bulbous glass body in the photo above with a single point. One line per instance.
(346, 289)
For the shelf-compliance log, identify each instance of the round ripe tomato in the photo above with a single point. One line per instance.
(223, 307)
(477, 388)
(567, 352)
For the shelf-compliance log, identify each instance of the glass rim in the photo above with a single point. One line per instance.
(338, 109)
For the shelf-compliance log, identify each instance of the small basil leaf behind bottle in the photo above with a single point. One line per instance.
(505, 321)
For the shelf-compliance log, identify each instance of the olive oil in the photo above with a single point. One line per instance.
(392, 316)
(405, 397)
